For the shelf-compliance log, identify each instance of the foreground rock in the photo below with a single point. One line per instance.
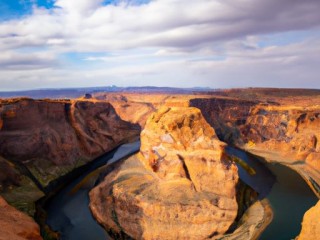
(180, 186)
(311, 224)
(16, 225)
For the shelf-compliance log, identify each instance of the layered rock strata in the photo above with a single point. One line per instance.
(285, 131)
(180, 185)
(50, 138)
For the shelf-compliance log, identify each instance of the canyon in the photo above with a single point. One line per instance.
(43, 140)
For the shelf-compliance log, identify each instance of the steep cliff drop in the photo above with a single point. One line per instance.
(50, 138)
(44, 140)
(180, 185)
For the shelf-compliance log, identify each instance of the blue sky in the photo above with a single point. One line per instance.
(11, 9)
(178, 43)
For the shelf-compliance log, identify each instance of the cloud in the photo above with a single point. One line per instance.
(87, 25)
(24, 61)
(216, 42)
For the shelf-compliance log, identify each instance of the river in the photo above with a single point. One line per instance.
(68, 211)
(288, 193)
(290, 198)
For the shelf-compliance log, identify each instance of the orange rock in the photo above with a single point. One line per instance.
(179, 187)
(313, 160)
(311, 224)
(178, 142)
(278, 132)
(16, 225)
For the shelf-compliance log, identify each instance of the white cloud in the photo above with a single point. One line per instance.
(86, 25)
(19, 61)
(216, 41)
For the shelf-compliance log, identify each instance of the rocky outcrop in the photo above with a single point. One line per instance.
(311, 224)
(16, 225)
(180, 186)
(51, 138)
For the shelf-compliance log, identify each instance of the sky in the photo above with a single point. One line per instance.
(175, 43)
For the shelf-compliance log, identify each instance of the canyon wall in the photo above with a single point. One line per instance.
(42, 140)
(280, 132)
(51, 138)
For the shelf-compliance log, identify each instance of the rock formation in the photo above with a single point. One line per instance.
(311, 224)
(284, 131)
(180, 186)
(51, 137)
(16, 225)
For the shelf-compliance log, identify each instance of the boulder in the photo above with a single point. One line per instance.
(180, 185)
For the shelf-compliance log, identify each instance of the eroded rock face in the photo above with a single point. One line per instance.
(178, 142)
(282, 131)
(311, 224)
(16, 225)
(180, 186)
(51, 137)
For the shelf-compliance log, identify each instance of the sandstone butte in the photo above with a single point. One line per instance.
(16, 225)
(311, 224)
(180, 185)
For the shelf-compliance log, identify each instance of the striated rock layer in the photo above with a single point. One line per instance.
(16, 225)
(180, 185)
(285, 131)
(311, 224)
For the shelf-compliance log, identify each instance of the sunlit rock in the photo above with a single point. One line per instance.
(311, 224)
(180, 186)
